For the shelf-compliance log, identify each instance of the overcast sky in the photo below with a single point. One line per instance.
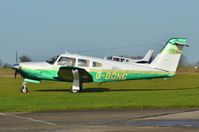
(44, 28)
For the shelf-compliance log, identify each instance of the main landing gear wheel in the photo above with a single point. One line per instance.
(77, 84)
(75, 91)
(24, 88)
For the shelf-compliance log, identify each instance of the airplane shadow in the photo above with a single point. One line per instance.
(68, 90)
(136, 90)
(95, 90)
(53, 90)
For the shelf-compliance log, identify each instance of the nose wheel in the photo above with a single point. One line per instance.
(24, 88)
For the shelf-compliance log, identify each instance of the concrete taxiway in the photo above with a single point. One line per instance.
(131, 120)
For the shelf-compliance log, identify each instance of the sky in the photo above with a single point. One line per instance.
(44, 28)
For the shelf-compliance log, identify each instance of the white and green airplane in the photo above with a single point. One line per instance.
(83, 69)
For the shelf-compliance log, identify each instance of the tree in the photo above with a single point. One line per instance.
(1, 63)
(25, 58)
(131, 57)
(136, 57)
(197, 63)
(183, 61)
(6, 65)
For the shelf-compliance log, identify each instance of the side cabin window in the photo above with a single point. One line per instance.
(116, 59)
(66, 61)
(109, 58)
(122, 60)
(97, 64)
(83, 63)
(127, 60)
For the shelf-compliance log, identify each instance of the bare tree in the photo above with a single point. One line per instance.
(197, 63)
(136, 57)
(183, 61)
(1, 63)
(6, 65)
(131, 57)
(25, 58)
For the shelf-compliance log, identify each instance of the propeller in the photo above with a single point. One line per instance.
(16, 73)
(16, 66)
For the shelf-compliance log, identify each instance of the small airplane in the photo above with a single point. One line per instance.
(146, 59)
(83, 69)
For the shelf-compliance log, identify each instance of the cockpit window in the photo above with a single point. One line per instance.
(52, 60)
(66, 61)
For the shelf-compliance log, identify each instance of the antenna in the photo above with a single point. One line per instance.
(16, 57)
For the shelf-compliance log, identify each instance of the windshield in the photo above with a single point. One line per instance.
(52, 60)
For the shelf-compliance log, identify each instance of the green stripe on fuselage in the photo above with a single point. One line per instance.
(97, 75)
(39, 74)
(119, 75)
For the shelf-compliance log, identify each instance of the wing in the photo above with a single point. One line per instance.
(66, 74)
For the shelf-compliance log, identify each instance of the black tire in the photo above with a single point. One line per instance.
(24, 89)
(75, 91)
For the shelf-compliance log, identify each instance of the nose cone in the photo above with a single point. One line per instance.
(15, 66)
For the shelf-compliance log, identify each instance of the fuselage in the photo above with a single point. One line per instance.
(101, 70)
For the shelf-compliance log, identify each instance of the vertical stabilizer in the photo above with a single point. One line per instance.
(148, 57)
(169, 56)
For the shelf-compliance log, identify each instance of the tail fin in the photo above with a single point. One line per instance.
(169, 56)
(148, 57)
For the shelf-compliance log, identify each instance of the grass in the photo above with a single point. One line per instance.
(6, 72)
(181, 91)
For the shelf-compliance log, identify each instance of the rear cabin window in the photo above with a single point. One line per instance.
(122, 60)
(66, 61)
(83, 63)
(116, 59)
(97, 64)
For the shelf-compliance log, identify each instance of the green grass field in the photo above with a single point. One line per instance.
(181, 91)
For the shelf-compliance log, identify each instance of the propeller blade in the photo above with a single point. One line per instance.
(15, 74)
(16, 66)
